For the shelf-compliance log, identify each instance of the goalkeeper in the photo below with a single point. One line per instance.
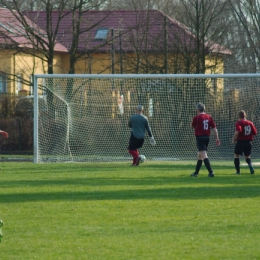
(138, 124)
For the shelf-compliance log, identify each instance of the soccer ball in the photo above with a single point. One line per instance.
(142, 158)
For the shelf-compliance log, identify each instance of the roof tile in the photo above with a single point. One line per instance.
(13, 33)
(137, 28)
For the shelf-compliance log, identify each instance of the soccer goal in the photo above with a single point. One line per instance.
(84, 118)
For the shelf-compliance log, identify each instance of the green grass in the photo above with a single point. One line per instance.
(113, 211)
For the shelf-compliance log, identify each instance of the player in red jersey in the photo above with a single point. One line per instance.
(202, 123)
(243, 137)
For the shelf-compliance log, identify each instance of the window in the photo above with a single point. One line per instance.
(19, 84)
(2, 83)
(101, 34)
(31, 85)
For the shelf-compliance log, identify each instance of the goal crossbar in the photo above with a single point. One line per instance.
(147, 76)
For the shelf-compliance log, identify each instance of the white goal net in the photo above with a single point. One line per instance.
(82, 118)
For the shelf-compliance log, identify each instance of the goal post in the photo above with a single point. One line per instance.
(84, 118)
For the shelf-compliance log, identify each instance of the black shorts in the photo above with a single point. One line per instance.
(202, 142)
(243, 147)
(135, 143)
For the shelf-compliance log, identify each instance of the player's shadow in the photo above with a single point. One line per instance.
(209, 191)
(173, 180)
(177, 186)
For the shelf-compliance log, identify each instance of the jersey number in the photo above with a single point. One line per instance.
(247, 130)
(206, 124)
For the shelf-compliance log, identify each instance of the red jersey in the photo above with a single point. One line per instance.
(246, 130)
(202, 124)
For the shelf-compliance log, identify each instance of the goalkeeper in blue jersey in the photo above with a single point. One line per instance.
(138, 124)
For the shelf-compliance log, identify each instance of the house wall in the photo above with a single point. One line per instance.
(14, 64)
(94, 64)
(5, 65)
(154, 63)
(86, 64)
(5, 59)
(19, 68)
(25, 65)
(61, 63)
(214, 65)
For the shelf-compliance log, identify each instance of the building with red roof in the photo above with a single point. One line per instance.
(123, 41)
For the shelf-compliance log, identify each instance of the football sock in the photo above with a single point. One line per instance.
(135, 155)
(237, 162)
(207, 164)
(248, 160)
(199, 163)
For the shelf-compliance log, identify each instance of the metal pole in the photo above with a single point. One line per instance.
(165, 46)
(121, 53)
(35, 119)
(113, 51)
(147, 76)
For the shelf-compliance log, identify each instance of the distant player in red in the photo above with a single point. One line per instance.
(243, 137)
(4, 134)
(202, 123)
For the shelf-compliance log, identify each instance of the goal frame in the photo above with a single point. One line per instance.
(116, 76)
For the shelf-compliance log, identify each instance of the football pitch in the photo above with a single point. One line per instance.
(114, 211)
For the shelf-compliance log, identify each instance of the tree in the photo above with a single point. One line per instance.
(207, 23)
(42, 41)
(128, 4)
(205, 19)
(45, 40)
(246, 14)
